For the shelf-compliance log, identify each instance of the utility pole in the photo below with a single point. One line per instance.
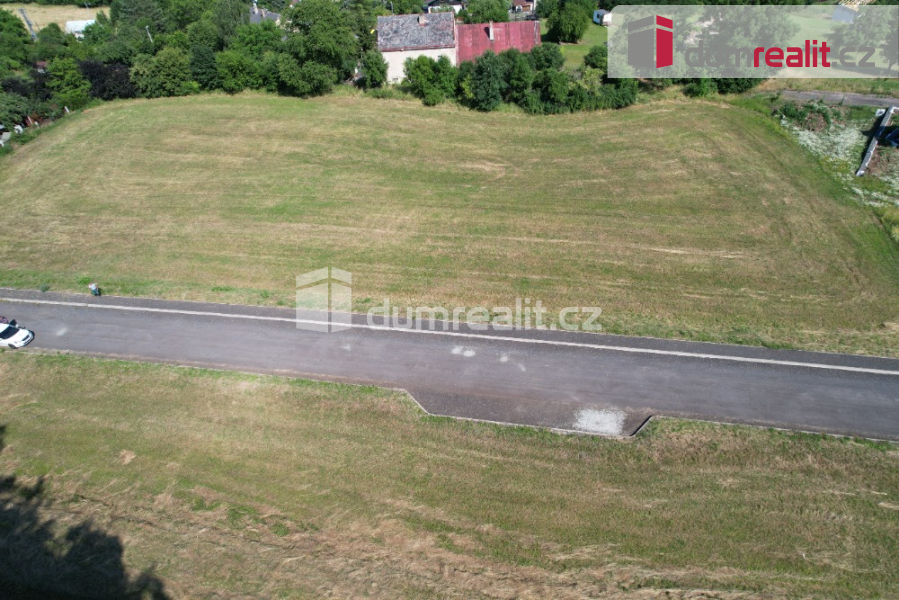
(147, 27)
(28, 22)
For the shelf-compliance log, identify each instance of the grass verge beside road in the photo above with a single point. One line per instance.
(692, 220)
(265, 487)
(882, 87)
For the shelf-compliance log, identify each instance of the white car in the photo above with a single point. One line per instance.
(14, 337)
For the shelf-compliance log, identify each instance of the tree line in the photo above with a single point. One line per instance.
(536, 81)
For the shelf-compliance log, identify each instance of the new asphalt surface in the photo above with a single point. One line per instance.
(565, 380)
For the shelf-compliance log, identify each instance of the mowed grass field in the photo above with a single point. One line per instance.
(691, 220)
(234, 486)
(42, 15)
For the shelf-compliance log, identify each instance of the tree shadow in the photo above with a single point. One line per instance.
(37, 561)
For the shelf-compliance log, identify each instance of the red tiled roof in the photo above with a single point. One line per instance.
(474, 40)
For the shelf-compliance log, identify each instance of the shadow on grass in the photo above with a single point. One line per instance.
(38, 561)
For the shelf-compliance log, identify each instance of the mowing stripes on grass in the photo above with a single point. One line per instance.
(688, 220)
(267, 487)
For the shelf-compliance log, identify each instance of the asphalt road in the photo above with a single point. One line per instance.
(570, 381)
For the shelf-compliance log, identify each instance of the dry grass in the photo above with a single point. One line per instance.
(689, 220)
(233, 486)
(882, 87)
(42, 15)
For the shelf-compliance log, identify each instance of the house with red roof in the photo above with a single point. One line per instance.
(473, 40)
(401, 37)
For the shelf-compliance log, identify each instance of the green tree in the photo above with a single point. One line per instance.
(13, 109)
(185, 12)
(569, 24)
(176, 39)
(320, 32)
(311, 79)
(141, 14)
(488, 82)
(257, 39)
(116, 51)
(546, 56)
(374, 70)
(51, 43)
(406, 7)
(483, 11)
(519, 75)
(69, 86)
(362, 16)
(553, 89)
(431, 80)
(166, 74)
(203, 68)
(99, 32)
(204, 33)
(598, 58)
(547, 8)
(237, 71)
(15, 43)
(228, 15)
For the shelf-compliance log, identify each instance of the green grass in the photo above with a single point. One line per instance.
(246, 486)
(881, 87)
(682, 219)
(574, 53)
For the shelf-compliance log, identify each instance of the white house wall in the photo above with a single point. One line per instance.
(396, 61)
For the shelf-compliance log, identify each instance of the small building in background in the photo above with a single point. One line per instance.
(524, 6)
(258, 15)
(473, 40)
(77, 28)
(602, 17)
(439, 6)
(401, 37)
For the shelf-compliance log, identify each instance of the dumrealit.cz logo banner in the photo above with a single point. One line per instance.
(846, 40)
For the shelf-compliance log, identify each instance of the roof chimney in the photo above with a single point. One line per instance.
(422, 19)
(490, 31)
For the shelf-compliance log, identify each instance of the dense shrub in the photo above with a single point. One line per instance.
(374, 70)
(307, 80)
(13, 109)
(108, 82)
(701, 88)
(431, 80)
(735, 85)
(488, 82)
(70, 88)
(203, 67)
(546, 56)
(166, 74)
(237, 71)
(598, 58)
